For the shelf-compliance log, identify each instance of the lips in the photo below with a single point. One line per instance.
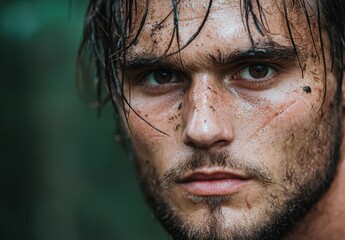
(216, 183)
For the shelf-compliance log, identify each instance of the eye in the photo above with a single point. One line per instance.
(256, 72)
(161, 77)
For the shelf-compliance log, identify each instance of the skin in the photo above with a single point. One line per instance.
(214, 106)
(326, 219)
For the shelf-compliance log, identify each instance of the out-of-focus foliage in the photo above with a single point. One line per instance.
(62, 176)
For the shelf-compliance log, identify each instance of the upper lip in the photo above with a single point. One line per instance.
(204, 175)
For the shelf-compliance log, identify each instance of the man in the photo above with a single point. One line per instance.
(233, 110)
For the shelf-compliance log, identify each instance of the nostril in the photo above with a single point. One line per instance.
(203, 145)
(221, 143)
(191, 144)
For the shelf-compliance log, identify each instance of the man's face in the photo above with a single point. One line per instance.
(231, 139)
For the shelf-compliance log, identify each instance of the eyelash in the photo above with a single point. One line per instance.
(156, 89)
(176, 78)
(180, 78)
(273, 70)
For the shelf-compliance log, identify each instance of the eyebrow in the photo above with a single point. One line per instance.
(270, 52)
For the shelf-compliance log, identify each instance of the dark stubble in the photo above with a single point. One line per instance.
(310, 175)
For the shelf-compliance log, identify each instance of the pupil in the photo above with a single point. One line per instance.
(258, 71)
(162, 76)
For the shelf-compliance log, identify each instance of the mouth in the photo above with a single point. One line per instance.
(214, 183)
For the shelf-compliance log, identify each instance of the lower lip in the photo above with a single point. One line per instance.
(214, 187)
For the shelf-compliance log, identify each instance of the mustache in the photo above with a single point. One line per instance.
(199, 160)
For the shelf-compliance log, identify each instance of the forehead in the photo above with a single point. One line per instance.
(227, 28)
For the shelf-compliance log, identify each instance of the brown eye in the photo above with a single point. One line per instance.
(256, 72)
(162, 76)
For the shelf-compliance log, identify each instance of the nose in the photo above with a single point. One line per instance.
(207, 123)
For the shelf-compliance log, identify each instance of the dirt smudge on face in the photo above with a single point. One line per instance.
(212, 90)
(177, 126)
(213, 109)
(307, 89)
(179, 106)
(174, 117)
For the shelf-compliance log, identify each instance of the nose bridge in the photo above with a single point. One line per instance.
(205, 125)
(203, 96)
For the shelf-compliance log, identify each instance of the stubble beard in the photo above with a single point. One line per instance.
(306, 179)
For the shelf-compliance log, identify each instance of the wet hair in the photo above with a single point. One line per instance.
(109, 32)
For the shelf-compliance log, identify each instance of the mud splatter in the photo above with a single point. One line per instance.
(215, 92)
(179, 106)
(213, 109)
(307, 89)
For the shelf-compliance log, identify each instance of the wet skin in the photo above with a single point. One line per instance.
(224, 97)
(326, 219)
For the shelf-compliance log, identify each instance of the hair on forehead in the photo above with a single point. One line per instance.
(113, 26)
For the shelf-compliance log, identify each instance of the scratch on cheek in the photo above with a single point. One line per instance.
(249, 206)
(275, 115)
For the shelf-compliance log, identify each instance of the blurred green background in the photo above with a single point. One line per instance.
(63, 177)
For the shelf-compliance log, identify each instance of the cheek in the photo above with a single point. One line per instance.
(151, 145)
(154, 119)
(272, 123)
(145, 138)
(283, 108)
